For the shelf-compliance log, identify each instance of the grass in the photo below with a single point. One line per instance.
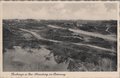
(65, 56)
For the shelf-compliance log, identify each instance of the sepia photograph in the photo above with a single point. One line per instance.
(60, 36)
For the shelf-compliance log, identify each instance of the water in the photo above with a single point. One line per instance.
(19, 59)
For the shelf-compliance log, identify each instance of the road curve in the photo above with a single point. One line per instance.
(107, 37)
(37, 36)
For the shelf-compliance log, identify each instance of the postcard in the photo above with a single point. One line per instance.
(59, 39)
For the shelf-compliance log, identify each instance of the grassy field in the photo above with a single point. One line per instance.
(59, 45)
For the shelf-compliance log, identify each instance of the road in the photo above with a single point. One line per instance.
(37, 36)
(107, 37)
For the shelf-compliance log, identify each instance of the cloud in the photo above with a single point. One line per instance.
(89, 11)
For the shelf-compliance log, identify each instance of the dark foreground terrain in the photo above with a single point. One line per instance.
(59, 45)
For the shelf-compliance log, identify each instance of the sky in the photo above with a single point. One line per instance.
(68, 11)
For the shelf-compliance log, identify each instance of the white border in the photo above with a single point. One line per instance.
(69, 74)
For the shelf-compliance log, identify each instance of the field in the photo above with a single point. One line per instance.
(59, 45)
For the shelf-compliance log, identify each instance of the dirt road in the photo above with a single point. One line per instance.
(37, 36)
(107, 37)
